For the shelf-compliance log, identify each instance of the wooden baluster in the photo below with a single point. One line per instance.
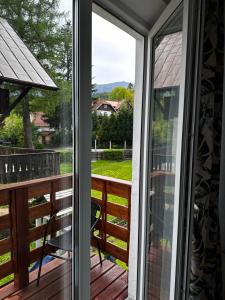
(19, 232)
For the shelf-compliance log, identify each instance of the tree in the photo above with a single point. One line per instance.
(59, 115)
(64, 52)
(117, 127)
(62, 117)
(130, 87)
(103, 131)
(37, 23)
(122, 94)
(125, 124)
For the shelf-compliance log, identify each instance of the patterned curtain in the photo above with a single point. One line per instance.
(206, 278)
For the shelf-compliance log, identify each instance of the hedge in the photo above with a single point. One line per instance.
(113, 155)
(66, 157)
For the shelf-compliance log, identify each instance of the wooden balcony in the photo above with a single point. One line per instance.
(22, 235)
(19, 164)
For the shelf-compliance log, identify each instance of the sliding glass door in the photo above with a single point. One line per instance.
(166, 154)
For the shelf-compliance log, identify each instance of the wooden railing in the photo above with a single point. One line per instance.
(115, 225)
(7, 150)
(19, 164)
(20, 218)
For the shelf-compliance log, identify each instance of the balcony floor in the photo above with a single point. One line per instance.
(107, 282)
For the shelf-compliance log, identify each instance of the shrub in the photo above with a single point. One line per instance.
(66, 157)
(12, 130)
(38, 146)
(113, 155)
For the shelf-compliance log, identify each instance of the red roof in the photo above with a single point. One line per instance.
(114, 104)
(168, 61)
(38, 119)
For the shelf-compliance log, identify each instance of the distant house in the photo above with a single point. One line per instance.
(106, 107)
(45, 132)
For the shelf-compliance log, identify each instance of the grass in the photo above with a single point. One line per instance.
(115, 169)
(66, 168)
(3, 259)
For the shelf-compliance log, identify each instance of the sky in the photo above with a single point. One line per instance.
(113, 50)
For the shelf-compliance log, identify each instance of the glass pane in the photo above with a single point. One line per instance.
(167, 46)
(36, 147)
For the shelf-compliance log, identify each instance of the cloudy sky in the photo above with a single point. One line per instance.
(113, 51)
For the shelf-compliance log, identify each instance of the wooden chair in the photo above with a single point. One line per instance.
(64, 240)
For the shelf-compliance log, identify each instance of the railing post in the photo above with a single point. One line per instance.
(19, 231)
(53, 207)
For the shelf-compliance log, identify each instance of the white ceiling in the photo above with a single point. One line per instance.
(139, 14)
(148, 10)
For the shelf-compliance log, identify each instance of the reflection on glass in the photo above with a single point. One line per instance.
(167, 77)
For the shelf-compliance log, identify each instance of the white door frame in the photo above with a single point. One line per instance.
(82, 19)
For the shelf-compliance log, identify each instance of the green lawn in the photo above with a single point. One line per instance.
(115, 169)
(65, 168)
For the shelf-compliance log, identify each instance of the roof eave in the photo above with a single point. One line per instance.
(29, 84)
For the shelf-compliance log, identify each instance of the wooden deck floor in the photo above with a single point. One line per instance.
(107, 282)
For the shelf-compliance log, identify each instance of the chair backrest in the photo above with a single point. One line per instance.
(95, 207)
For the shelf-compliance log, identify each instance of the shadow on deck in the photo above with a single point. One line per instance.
(107, 282)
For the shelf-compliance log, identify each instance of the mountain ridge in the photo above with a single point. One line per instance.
(108, 87)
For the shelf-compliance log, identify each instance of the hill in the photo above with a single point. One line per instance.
(108, 87)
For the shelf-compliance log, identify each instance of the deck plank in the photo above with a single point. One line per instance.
(61, 284)
(51, 272)
(123, 295)
(95, 261)
(115, 289)
(103, 282)
(99, 271)
(108, 281)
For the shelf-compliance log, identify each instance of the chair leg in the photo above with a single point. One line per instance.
(40, 265)
(99, 251)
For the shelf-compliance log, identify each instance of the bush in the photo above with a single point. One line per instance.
(12, 130)
(113, 155)
(38, 146)
(66, 157)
